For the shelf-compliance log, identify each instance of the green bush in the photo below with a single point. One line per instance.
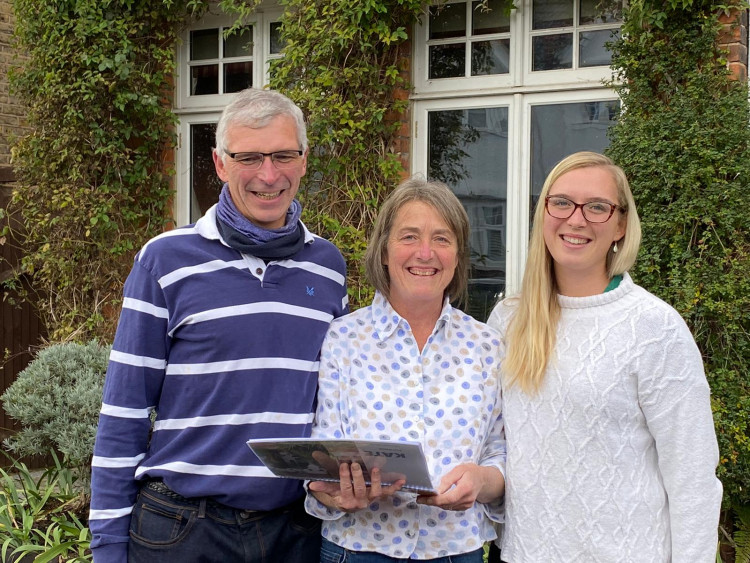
(42, 515)
(56, 399)
(93, 185)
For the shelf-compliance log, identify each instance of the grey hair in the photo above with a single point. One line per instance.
(255, 108)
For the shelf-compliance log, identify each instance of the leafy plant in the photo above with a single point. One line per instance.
(57, 399)
(42, 516)
(93, 178)
(345, 64)
(742, 534)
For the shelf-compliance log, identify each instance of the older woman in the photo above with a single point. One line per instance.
(412, 367)
(611, 445)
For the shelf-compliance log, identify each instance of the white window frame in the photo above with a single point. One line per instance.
(520, 74)
(519, 157)
(192, 110)
(560, 78)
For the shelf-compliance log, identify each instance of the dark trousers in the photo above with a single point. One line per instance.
(494, 554)
(165, 529)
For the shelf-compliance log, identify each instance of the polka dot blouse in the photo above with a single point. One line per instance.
(376, 385)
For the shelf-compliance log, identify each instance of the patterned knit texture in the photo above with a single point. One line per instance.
(614, 459)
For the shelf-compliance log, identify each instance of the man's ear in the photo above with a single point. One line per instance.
(221, 171)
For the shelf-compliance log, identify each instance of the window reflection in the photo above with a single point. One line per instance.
(562, 27)
(447, 61)
(204, 44)
(237, 76)
(558, 130)
(482, 34)
(204, 80)
(489, 18)
(204, 183)
(593, 47)
(448, 20)
(239, 44)
(277, 43)
(490, 57)
(552, 52)
(221, 76)
(548, 14)
(601, 11)
(468, 150)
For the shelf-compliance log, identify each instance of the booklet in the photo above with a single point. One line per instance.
(319, 460)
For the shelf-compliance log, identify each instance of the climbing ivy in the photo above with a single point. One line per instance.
(93, 173)
(346, 63)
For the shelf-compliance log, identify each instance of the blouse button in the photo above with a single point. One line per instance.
(259, 271)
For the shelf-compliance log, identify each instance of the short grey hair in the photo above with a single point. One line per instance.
(255, 108)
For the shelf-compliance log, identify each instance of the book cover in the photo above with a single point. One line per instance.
(319, 460)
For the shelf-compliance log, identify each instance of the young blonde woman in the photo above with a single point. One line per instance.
(611, 450)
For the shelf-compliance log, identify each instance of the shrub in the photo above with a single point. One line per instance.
(42, 515)
(57, 400)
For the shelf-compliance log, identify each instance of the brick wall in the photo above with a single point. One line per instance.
(11, 111)
(734, 39)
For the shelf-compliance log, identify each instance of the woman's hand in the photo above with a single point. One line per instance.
(465, 484)
(351, 493)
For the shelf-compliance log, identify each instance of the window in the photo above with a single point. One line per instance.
(567, 34)
(499, 100)
(211, 67)
(468, 39)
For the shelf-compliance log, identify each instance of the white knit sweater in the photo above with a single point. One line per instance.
(615, 458)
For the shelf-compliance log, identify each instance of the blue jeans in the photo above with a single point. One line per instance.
(168, 530)
(332, 553)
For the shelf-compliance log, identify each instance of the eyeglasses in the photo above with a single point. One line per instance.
(254, 160)
(593, 211)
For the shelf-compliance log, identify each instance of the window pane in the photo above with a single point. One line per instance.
(237, 76)
(448, 20)
(204, 80)
(490, 57)
(277, 43)
(548, 14)
(492, 20)
(468, 150)
(562, 129)
(592, 47)
(551, 52)
(204, 44)
(205, 184)
(447, 61)
(596, 11)
(239, 44)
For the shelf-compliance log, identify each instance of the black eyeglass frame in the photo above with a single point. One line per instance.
(272, 155)
(613, 207)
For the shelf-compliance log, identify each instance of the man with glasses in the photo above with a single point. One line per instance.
(219, 342)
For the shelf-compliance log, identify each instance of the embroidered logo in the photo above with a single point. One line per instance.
(310, 291)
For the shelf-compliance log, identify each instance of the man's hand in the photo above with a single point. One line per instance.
(351, 493)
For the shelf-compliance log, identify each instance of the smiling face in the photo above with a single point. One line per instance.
(421, 257)
(579, 248)
(263, 196)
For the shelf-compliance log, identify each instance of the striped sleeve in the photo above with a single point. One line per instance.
(131, 388)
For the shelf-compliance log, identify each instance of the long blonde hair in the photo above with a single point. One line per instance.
(531, 335)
